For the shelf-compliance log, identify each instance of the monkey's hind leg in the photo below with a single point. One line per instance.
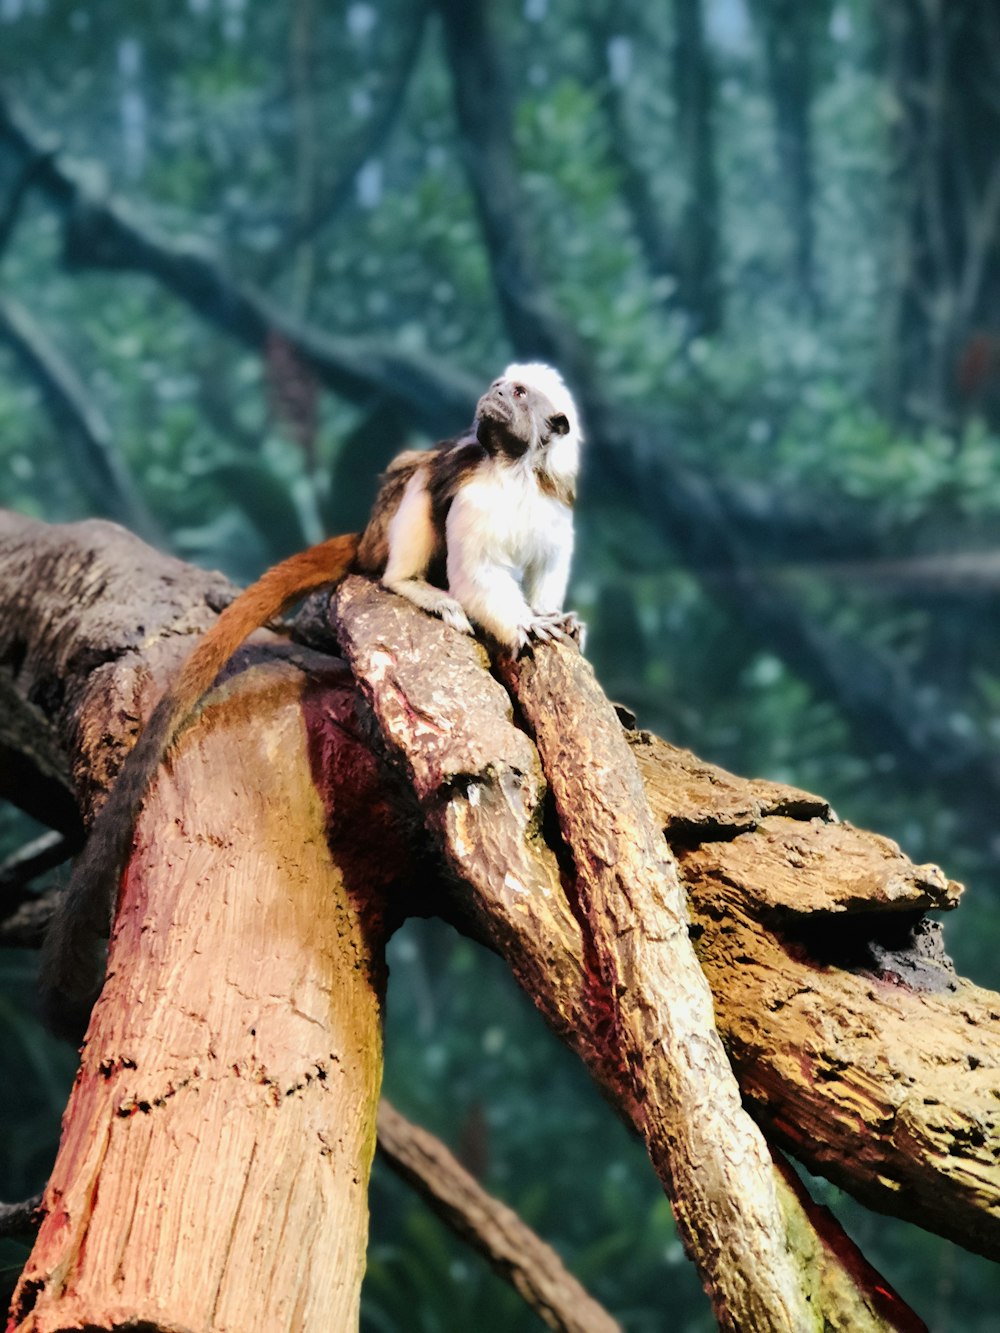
(412, 541)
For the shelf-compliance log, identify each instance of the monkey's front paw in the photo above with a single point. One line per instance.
(452, 614)
(550, 627)
(575, 628)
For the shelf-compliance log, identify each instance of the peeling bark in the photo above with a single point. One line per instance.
(852, 1038)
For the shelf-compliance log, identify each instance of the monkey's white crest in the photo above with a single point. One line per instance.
(565, 453)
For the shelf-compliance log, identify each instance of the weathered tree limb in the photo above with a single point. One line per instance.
(244, 872)
(495, 1231)
(99, 555)
(532, 1268)
(643, 974)
(850, 1033)
(722, 828)
(481, 792)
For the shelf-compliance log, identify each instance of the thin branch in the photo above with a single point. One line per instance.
(25, 926)
(495, 1231)
(484, 113)
(377, 129)
(20, 1219)
(981, 237)
(659, 249)
(79, 421)
(11, 214)
(34, 858)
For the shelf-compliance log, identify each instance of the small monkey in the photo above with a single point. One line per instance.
(490, 512)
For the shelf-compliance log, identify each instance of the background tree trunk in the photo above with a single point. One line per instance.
(789, 32)
(698, 234)
(943, 339)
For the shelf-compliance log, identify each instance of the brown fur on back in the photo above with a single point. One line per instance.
(373, 549)
(448, 469)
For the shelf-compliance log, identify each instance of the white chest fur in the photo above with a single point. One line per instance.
(509, 519)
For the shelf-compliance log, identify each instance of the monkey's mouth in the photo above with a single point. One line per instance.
(493, 408)
(495, 417)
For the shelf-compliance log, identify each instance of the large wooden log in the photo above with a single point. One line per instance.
(213, 1168)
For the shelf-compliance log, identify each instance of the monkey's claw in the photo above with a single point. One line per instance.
(452, 614)
(551, 627)
(575, 628)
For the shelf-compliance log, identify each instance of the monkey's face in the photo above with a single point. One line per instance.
(514, 417)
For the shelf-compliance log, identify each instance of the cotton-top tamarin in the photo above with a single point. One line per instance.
(489, 514)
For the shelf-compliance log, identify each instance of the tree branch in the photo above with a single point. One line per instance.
(31, 860)
(20, 1219)
(14, 203)
(484, 113)
(659, 250)
(97, 464)
(509, 1246)
(24, 915)
(378, 127)
(481, 793)
(100, 233)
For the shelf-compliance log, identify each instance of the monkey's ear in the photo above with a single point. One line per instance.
(559, 424)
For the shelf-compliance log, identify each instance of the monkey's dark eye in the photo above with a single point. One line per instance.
(519, 390)
(559, 424)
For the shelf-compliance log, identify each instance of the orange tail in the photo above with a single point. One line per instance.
(275, 590)
(71, 955)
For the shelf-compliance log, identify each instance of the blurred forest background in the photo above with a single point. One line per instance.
(248, 250)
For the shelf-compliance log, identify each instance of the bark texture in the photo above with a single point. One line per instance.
(796, 917)
(480, 786)
(215, 1153)
(656, 1019)
(851, 1035)
(216, 1148)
